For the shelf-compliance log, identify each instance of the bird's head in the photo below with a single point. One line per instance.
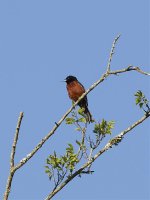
(70, 79)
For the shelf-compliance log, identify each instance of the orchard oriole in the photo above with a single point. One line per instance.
(75, 90)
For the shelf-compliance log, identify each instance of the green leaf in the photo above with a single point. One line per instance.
(141, 105)
(47, 171)
(70, 120)
(78, 129)
(81, 111)
(82, 120)
(137, 100)
(47, 161)
(64, 159)
(79, 143)
(55, 154)
(70, 149)
(71, 146)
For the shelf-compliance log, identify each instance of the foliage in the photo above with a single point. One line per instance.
(61, 164)
(76, 117)
(104, 127)
(142, 101)
(59, 167)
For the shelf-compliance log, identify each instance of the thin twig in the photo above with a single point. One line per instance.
(15, 140)
(129, 68)
(112, 52)
(12, 156)
(107, 146)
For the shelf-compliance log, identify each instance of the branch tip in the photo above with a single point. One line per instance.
(112, 52)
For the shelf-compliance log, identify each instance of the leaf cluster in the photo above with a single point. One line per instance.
(104, 127)
(71, 159)
(61, 164)
(101, 130)
(76, 117)
(142, 101)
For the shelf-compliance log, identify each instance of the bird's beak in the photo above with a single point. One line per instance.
(64, 80)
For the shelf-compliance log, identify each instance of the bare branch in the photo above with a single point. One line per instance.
(107, 146)
(12, 156)
(129, 68)
(112, 52)
(15, 140)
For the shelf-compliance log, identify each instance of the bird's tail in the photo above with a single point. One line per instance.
(88, 115)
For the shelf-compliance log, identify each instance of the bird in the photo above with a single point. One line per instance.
(75, 90)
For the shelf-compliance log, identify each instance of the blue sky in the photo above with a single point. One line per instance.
(41, 42)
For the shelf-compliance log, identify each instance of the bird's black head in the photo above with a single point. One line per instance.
(70, 79)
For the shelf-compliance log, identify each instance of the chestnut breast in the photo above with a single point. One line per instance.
(75, 90)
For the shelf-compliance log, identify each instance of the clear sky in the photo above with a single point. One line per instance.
(41, 42)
